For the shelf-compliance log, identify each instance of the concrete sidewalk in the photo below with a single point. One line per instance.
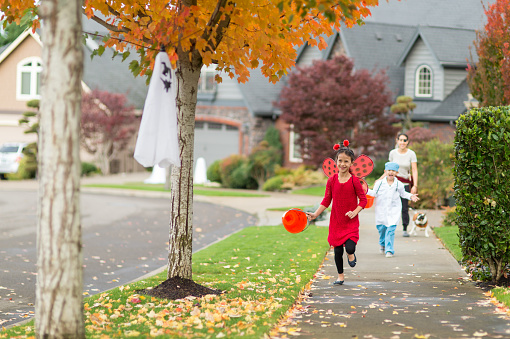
(421, 292)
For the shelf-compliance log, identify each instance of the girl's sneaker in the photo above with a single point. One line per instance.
(381, 250)
(389, 254)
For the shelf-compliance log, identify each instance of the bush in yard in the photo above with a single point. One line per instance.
(304, 176)
(235, 172)
(435, 174)
(481, 172)
(241, 177)
(214, 172)
(273, 184)
(87, 169)
(419, 134)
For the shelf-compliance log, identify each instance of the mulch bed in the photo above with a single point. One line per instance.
(179, 288)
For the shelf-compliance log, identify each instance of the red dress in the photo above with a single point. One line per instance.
(345, 198)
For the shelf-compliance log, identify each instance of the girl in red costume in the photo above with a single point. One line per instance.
(348, 197)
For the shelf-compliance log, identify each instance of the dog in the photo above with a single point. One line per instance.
(420, 221)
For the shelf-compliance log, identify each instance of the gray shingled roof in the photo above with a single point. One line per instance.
(450, 46)
(260, 95)
(113, 75)
(440, 13)
(378, 46)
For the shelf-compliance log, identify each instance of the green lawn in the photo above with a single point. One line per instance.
(261, 269)
(316, 190)
(449, 235)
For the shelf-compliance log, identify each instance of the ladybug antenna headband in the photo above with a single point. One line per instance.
(344, 149)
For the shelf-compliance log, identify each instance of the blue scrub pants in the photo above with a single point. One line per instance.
(387, 237)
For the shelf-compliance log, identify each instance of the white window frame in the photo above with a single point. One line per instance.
(293, 148)
(418, 85)
(205, 73)
(34, 70)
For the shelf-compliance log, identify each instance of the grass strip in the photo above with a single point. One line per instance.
(261, 269)
(161, 188)
(316, 191)
(449, 235)
(502, 294)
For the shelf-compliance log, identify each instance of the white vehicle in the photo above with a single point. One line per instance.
(10, 157)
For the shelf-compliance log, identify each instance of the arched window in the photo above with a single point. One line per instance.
(206, 83)
(423, 86)
(28, 83)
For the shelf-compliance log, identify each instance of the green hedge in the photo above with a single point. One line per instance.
(482, 188)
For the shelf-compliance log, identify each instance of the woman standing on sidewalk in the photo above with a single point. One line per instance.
(344, 189)
(407, 173)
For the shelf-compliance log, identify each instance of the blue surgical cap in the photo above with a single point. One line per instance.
(391, 166)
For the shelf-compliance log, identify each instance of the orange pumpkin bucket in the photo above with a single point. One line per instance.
(370, 201)
(295, 220)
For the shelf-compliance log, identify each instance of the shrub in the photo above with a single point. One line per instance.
(419, 134)
(213, 172)
(449, 217)
(241, 178)
(304, 176)
(273, 184)
(434, 172)
(24, 171)
(481, 173)
(234, 172)
(87, 169)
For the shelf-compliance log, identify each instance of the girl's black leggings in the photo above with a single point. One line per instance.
(350, 248)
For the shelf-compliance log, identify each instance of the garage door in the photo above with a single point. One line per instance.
(214, 141)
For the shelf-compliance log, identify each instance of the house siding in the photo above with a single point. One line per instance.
(228, 89)
(421, 55)
(8, 69)
(452, 78)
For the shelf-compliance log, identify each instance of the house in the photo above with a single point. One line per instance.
(20, 69)
(424, 47)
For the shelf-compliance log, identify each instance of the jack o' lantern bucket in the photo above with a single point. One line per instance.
(295, 220)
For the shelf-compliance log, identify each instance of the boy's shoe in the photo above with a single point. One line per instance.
(405, 234)
(381, 250)
(389, 255)
(338, 282)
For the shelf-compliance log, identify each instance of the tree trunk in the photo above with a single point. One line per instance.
(181, 218)
(59, 250)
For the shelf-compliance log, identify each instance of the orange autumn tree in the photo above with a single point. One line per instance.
(489, 77)
(237, 36)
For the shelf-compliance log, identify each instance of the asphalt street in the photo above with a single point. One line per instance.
(124, 238)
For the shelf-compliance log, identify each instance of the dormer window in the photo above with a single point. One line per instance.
(28, 83)
(423, 85)
(206, 83)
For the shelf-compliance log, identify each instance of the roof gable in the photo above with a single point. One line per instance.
(449, 46)
(13, 45)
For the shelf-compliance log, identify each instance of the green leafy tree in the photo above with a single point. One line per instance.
(30, 119)
(404, 106)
